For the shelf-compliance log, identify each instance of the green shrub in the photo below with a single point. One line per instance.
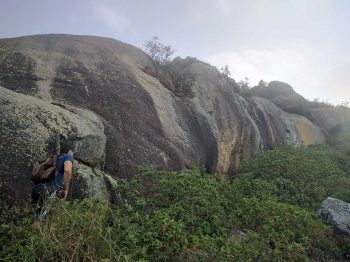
(289, 230)
(302, 176)
(266, 214)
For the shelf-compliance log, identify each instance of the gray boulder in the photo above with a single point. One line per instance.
(284, 96)
(237, 235)
(29, 128)
(336, 213)
(93, 183)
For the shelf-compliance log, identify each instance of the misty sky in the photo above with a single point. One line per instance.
(305, 43)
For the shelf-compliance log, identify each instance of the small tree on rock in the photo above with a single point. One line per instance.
(159, 52)
(244, 84)
(225, 71)
(262, 83)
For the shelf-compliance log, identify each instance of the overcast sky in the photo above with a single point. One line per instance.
(305, 43)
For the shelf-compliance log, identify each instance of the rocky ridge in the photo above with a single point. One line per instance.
(96, 91)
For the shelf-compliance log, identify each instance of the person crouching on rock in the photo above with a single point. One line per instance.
(59, 186)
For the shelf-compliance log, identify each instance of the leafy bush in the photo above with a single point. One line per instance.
(191, 215)
(302, 176)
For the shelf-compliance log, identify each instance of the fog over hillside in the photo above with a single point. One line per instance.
(303, 43)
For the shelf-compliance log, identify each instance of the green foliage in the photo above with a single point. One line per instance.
(171, 75)
(266, 214)
(302, 176)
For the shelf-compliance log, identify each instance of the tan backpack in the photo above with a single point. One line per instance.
(45, 171)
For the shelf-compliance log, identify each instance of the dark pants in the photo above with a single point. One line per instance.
(40, 193)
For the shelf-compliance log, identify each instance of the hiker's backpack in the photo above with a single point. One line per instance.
(45, 171)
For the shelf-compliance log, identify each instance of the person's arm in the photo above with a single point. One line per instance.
(68, 170)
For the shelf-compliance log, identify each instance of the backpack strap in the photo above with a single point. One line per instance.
(54, 160)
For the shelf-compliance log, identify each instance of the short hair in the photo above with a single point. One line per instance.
(66, 146)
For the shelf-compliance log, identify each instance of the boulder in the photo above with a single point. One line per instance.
(31, 130)
(284, 96)
(336, 213)
(237, 235)
(93, 183)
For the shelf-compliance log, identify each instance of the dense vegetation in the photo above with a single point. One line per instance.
(268, 212)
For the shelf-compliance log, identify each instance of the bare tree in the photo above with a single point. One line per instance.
(159, 52)
(225, 71)
(244, 83)
(262, 83)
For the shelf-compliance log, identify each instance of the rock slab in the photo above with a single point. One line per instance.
(336, 213)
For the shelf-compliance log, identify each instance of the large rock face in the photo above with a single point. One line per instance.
(97, 74)
(100, 86)
(337, 214)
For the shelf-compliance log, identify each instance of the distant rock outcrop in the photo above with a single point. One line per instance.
(102, 90)
(284, 96)
(336, 213)
(330, 118)
(293, 129)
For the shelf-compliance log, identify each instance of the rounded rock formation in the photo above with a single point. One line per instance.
(30, 130)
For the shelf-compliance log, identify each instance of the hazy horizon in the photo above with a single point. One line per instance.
(305, 43)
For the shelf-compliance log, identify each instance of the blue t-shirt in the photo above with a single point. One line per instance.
(58, 180)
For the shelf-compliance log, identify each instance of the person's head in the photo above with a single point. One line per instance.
(67, 148)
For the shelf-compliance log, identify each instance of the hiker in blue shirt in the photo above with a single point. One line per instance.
(60, 184)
